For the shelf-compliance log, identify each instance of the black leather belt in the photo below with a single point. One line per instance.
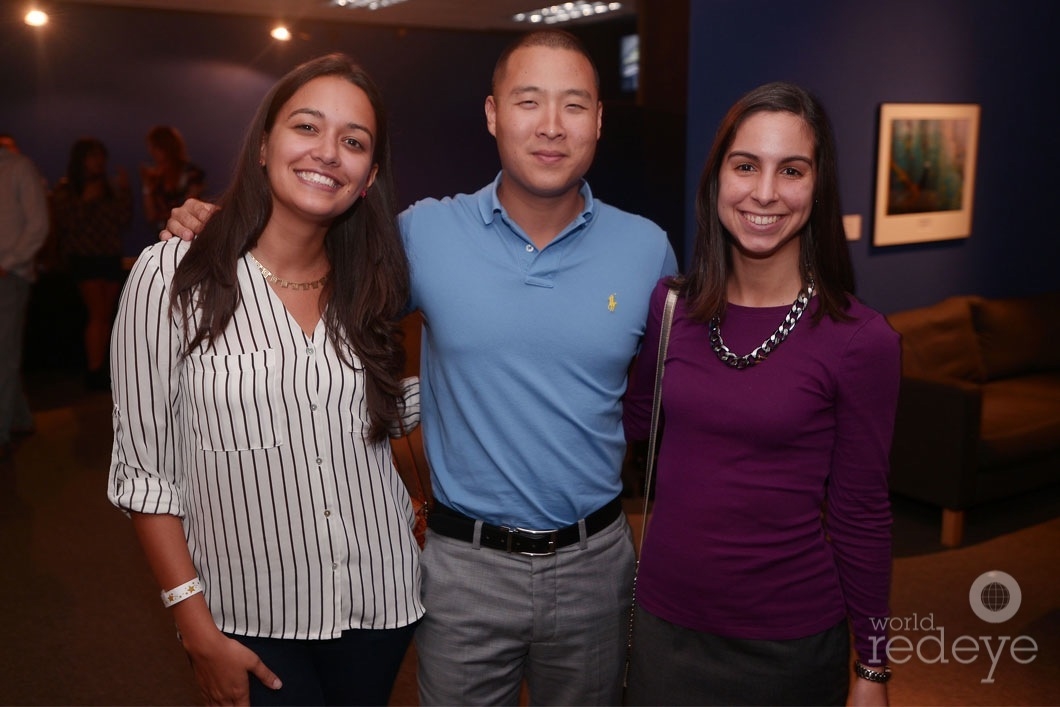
(453, 524)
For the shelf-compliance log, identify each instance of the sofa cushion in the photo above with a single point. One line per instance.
(1033, 386)
(1021, 419)
(939, 341)
(1018, 335)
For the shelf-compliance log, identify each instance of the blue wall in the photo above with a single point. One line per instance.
(112, 73)
(856, 55)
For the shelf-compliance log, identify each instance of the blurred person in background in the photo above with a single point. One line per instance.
(172, 177)
(23, 230)
(90, 210)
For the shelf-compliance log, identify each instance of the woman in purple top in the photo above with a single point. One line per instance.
(770, 540)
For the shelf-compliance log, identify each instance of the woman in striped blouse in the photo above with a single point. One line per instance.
(256, 379)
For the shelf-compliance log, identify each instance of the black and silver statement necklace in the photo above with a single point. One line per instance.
(775, 339)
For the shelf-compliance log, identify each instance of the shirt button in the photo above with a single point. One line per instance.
(529, 248)
(327, 514)
(319, 460)
(313, 407)
(334, 565)
(309, 350)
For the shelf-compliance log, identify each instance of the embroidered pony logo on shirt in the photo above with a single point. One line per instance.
(611, 302)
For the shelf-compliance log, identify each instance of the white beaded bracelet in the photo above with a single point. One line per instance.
(179, 594)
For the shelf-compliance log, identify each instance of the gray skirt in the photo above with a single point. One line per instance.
(673, 665)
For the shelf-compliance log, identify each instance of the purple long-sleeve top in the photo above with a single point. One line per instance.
(771, 517)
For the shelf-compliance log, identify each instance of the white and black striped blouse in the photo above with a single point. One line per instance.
(299, 527)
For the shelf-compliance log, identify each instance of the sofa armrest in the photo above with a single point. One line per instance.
(934, 456)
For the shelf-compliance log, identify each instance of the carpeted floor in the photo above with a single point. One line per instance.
(82, 624)
(932, 618)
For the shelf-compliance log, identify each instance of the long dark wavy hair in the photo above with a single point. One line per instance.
(369, 286)
(76, 173)
(823, 245)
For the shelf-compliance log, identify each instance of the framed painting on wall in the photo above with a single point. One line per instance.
(925, 175)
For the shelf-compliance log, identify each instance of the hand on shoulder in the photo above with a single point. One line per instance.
(187, 220)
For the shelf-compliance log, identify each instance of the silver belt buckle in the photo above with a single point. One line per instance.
(533, 534)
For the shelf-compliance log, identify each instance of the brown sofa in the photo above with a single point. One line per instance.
(979, 408)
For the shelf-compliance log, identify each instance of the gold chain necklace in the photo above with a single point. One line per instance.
(280, 282)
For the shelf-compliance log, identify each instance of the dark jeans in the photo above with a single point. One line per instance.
(357, 669)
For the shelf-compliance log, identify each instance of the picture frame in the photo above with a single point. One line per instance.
(925, 175)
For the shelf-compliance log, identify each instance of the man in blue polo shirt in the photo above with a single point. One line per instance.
(534, 297)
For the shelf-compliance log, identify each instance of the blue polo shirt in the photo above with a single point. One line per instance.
(525, 353)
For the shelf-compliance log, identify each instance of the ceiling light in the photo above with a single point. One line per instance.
(566, 12)
(365, 4)
(281, 33)
(36, 18)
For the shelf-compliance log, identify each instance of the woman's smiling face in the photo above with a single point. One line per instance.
(766, 185)
(319, 153)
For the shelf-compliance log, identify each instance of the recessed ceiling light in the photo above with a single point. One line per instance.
(36, 18)
(281, 33)
(365, 4)
(566, 12)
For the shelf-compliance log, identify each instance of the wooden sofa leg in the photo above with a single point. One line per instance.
(952, 527)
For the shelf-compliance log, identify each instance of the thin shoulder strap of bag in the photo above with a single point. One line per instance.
(656, 403)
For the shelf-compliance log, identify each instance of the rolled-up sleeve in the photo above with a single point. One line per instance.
(145, 469)
(408, 406)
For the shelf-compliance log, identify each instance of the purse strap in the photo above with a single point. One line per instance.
(656, 403)
(656, 409)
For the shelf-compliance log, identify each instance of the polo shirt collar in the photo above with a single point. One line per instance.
(489, 205)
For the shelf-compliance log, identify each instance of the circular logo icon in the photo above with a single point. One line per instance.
(995, 596)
